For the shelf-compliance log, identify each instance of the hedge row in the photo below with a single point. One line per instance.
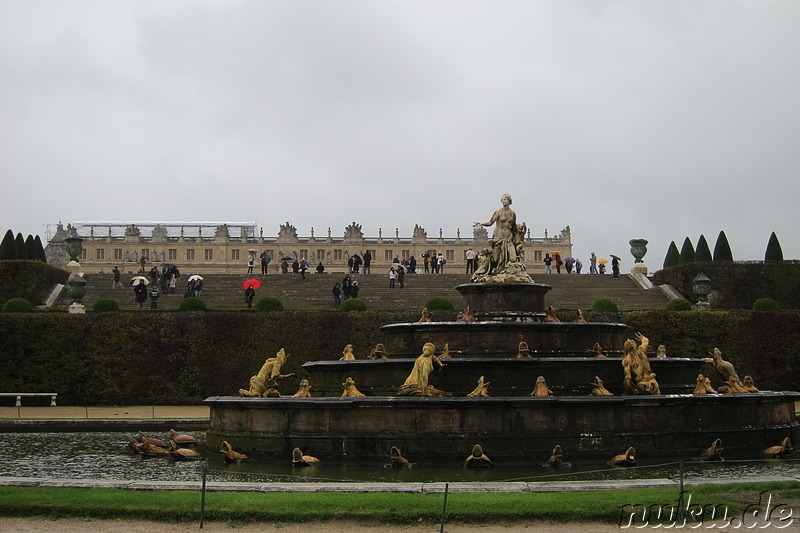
(32, 280)
(181, 358)
(738, 285)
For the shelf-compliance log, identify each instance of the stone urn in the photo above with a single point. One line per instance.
(638, 249)
(701, 286)
(76, 287)
(74, 247)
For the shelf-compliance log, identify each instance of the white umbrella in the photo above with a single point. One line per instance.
(195, 276)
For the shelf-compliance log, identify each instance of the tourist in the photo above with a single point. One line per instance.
(154, 275)
(440, 262)
(356, 263)
(265, 259)
(347, 284)
(303, 268)
(249, 295)
(548, 264)
(615, 266)
(426, 258)
(470, 257)
(569, 262)
(350, 264)
(116, 284)
(296, 266)
(198, 287)
(154, 294)
(602, 268)
(401, 275)
(173, 280)
(592, 264)
(392, 277)
(251, 262)
(412, 265)
(559, 262)
(367, 261)
(140, 294)
(337, 298)
(320, 268)
(578, 266)
(354, 290)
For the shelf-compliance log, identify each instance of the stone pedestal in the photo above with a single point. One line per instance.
(701, 306)
(73, 267)
(77, 309)
(639, 268)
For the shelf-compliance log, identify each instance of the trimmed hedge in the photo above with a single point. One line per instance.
(679, 305)
(606, 305)
(104, 305)
(269, 303)
(765, 304)
(439, 303)
(32, 280)
(17, 305)
(192, 304)
(738, 285)
(353, 304)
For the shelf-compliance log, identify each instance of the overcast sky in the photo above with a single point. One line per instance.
(621, 119)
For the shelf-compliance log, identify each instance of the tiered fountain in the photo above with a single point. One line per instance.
(509, 309)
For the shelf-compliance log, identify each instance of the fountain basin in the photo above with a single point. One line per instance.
(523, 427)
(565, 375)
(505, 301)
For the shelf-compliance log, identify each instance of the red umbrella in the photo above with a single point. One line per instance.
(251, 283)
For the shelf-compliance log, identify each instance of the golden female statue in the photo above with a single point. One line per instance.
(347, 353)
(416, 383)
(259, 384)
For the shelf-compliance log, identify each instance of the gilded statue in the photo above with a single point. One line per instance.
(732, 387)
(598, 389)
(481, 390)
(426, 315)
(272, 389)
(446, 353)
(639, 377)
(661, 352)
(477, 458)
(259, 384)
(713, 452)
(350, 390)
(785, 448)
(506, 247)
(703, 386)
(398, 461)
(597, 350)
(304, 391)
(467, 315)
(523, 352)
(347, 354)
(749, 384)
(230, 455)
(724, 368)
(550, 315)
(541, 390)
(298, 459)
(581, 319)
(378, 352)
(557, 459)
(626, 459)
(416, 383)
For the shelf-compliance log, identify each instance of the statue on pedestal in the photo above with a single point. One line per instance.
(504, 263)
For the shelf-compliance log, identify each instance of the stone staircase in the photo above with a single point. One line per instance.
(224, 291)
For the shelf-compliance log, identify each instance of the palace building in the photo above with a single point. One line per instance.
(225, 247)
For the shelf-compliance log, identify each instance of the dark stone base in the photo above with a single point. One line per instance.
(512, 301)
(592, 427)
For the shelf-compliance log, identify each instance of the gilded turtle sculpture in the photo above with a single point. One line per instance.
(626, 459)
(784, 448)
(232, 456)
(713, 452)
(183, 454)
(477, 459)
(298, 459)
(182, 440)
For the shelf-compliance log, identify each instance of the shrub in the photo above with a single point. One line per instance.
(192, 304)
(673, 256)
(17, 305)
(269, 303)
(679, 305)
(605, 305)
(722, 250)
(103, 305)
(765, 304)
(439, 303)
(353, 304)
(774, 251)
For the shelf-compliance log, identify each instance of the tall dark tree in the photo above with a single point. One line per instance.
(19, 243)
(702, 252)
(687, 252)
(40, 255)
(774, 251)
(30, 249)
(673, 256)
(8, 248)
(722, 250)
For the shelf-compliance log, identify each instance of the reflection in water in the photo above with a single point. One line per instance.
(107, 456)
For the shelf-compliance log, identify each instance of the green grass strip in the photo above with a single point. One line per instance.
(395, 508)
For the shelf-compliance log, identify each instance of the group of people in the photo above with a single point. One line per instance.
(355, 262)
(348, 288)
(570, 263)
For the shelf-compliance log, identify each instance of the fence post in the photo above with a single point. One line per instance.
(444, 508)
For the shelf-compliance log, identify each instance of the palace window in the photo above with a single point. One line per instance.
(173, 254)
(373, 253)
(449, 255)
(320, 254)
(118, 253)
(209, 254)
(337, 255)
(190, 254)
(406, 254)
(271, 253)
(234, 255)
(100, 253)
(387, 255)
(537, 255)
(145, 253)
(84, 254)
(304, 253)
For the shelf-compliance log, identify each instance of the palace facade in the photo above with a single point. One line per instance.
(225, 247)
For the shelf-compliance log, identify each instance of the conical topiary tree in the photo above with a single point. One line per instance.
(40, 250)
(702, 252)
(774, 252)
(687, 252)
(19, 243)
(673, 256)
(722, 250)
(8, 248)
(30, 249)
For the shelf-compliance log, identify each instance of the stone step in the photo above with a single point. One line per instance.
(224, 291)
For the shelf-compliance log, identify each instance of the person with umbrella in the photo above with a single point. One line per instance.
(615, 266)
(250, 287)
(569, 262)
(139, 284)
